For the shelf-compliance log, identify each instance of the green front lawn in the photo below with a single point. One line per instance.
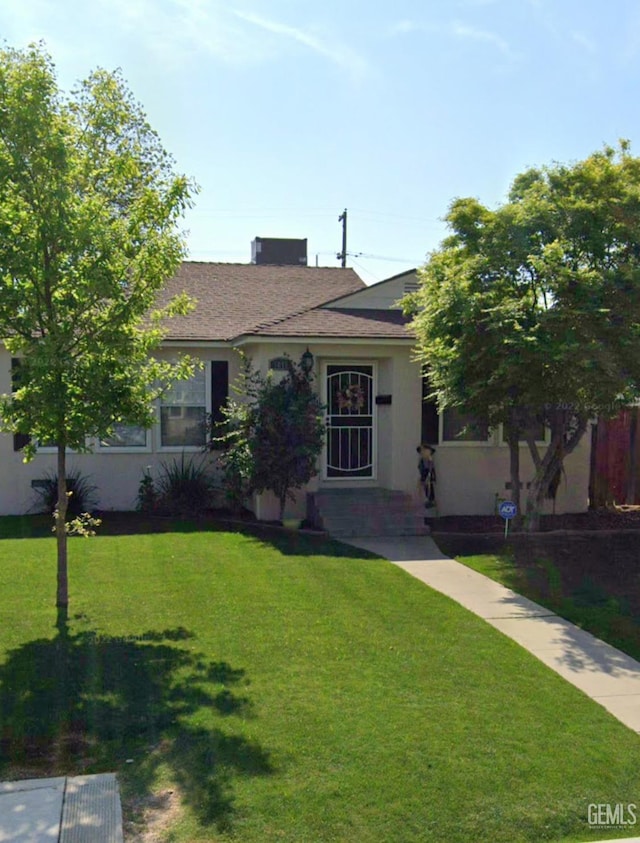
(291, 689)
(591, 581)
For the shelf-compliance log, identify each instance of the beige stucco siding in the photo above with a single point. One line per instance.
(394, 374)
(116, 474)
(469, 475)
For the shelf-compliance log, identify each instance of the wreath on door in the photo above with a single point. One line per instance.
(351, 398)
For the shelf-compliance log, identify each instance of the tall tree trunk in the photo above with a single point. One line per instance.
(552, 462)
(535, 499)
(62, 598)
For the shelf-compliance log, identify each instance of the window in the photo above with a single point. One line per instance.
(429, 427)
(458, 426)
(183, 411)
(541, 433)
(20, 440)
(125, 436)
(219, 389)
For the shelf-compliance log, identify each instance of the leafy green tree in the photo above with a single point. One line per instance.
(274, 435)
(89, 208)
(531, 312)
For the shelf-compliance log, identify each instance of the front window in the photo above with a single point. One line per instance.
(125, 436)
(183, 413)
(537, 429)
(458, 426)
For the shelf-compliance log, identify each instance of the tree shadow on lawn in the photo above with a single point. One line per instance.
(294, 543)
(83, 703)
(287, 542)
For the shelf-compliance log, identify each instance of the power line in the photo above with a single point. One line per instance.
(384, 258)
(252, 212)
(389, 215)
(365, 270)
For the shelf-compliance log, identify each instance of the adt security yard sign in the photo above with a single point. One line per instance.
(507, 510)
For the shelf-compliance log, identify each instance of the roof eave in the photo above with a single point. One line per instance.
(243, 339)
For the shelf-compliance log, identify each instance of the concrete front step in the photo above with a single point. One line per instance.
(371, 510)
(377, 531)
(370, 519)
(358, 494)
(368, 512)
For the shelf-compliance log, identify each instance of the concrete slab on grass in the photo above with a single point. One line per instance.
(92, 811)
(78, 809)
(30, 810)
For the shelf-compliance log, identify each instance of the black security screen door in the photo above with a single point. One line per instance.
(349, 443)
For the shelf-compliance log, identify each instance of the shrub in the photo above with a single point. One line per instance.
(237, 466)
(147, 500)
(82, 499)
(273, 435)
(183, 488)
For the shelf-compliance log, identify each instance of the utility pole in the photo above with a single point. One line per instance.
(342, 256)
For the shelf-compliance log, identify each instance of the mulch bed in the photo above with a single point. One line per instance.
(604, 519)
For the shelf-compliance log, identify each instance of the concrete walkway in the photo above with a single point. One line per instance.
(605, 674)
(82, 809)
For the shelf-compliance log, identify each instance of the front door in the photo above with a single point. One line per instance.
(350, 440)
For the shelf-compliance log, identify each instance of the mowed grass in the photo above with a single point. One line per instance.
(589, 605)
(290, 689)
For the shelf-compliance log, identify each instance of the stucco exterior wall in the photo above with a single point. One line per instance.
(469, 475)
(397, 425)
(115, 474)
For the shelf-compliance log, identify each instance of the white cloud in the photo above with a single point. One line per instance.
(403, 26)
(456, 29)
(461, 30)
(584, 41)
(175, 29)
(327, 47)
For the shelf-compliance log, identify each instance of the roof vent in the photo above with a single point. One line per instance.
(279, 250)
(411, 285)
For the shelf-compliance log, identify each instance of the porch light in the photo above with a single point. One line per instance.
(306, 362)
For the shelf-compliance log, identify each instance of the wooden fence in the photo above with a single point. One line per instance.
(615, 460)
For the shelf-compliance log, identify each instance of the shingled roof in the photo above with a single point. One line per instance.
(234, 299)
(249, 299)
(341, 322)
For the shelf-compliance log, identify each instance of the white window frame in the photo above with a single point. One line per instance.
(522, 443)
(126, 449)
(188, 449)
(52, 449)
(461, 443)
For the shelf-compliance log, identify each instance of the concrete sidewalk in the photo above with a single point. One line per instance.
(605, 674)
(79, 809)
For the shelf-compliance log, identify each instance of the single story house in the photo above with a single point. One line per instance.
(361, 349)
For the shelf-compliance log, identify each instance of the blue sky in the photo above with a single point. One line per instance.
(287, 111)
